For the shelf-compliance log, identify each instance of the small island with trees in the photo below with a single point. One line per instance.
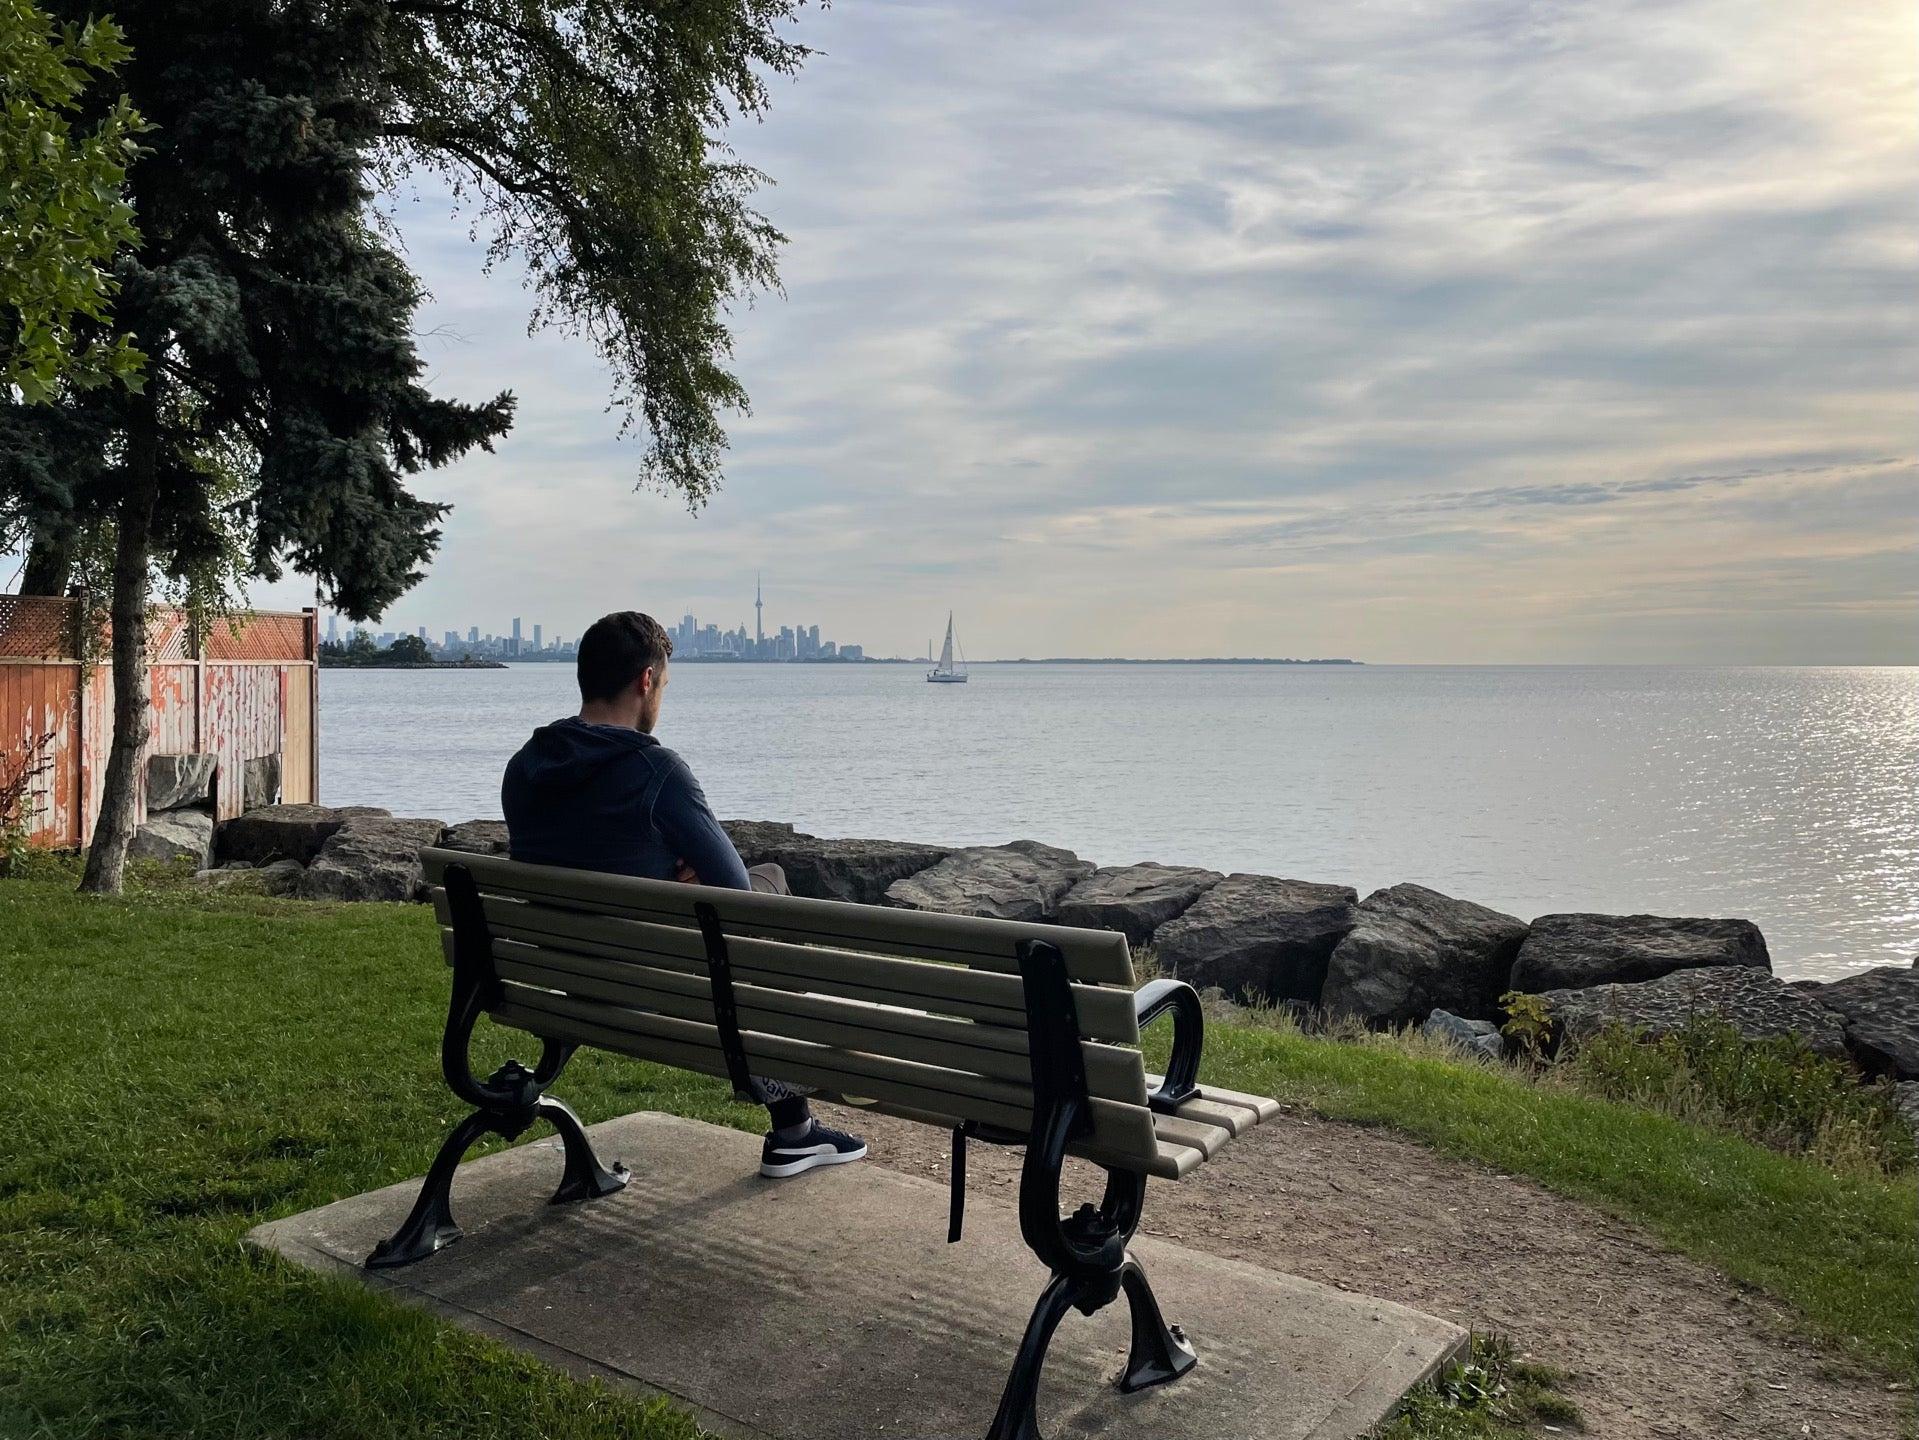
(408, 652)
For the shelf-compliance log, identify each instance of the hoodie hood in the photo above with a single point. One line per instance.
(573, 754)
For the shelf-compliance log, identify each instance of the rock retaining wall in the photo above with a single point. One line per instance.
(1404, 955)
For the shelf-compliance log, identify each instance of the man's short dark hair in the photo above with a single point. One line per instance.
(616, 649)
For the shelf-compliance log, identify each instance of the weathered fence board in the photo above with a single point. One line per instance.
(250, 688)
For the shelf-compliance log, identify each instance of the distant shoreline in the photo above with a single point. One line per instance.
(1208, 660)
(1048, 660)
(327, 663)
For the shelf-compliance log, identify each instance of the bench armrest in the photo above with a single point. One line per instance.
(1154, 999)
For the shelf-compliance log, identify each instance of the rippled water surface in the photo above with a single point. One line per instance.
(1789, 796)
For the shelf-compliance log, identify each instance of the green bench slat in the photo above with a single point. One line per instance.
(1123, 1130)
(1249, 1110)
(1092, 956)
(1105, 1012)
(998, 1052)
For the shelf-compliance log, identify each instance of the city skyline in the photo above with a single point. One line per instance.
(691, 639)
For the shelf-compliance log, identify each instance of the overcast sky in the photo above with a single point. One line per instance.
(1474, 331)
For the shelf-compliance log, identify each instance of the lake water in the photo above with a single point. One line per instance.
(1787, 796)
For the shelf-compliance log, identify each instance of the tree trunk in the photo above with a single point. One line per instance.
(49, 562)
(113, 831)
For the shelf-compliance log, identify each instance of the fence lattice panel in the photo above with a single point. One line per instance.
(257, 637)
(36, 627)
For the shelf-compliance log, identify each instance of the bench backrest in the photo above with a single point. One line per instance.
(923, 1014)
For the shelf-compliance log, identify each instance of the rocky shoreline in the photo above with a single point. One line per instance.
(1402, 955)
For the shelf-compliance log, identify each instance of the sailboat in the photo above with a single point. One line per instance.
(947, 672)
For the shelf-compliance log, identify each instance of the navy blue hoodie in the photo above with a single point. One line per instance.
(602, 797)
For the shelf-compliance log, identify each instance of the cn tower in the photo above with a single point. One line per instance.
(759, 630)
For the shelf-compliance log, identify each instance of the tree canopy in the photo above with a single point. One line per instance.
(285, 406)
(285, 412)
(64, 214)
(586, 135)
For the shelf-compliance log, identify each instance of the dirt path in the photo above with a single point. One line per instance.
(1657, 1344)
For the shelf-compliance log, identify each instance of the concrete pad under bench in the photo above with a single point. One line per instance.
(829, 1307)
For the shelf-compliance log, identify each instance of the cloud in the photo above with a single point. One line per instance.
(1465, 331)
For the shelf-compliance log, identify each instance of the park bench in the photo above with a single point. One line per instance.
(1004, 1032)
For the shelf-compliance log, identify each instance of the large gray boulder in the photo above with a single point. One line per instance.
(174, 781)
(260, 782)
(476, 837)
(172, 835)
(287, 832)
(1412, 951)
(1574, 952)
(371, 858)
(1259, 937)
(827, 869)
(1752, 1001)
(1135, 899)
(1880, 1010)
(1021, 881)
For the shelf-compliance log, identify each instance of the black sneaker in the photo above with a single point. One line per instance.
(819, 1146)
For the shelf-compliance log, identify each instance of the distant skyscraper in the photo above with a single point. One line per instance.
(333, 629)
(759, 627)
(473, 635)
(537, 646)
(516, 635)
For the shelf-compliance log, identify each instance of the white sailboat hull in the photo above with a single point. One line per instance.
(936, 677)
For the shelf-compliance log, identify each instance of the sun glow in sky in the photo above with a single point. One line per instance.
(1475, 331)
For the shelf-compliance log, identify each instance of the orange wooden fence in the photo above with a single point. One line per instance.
(250, 687)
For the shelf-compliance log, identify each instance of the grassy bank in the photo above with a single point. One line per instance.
(185, 1066)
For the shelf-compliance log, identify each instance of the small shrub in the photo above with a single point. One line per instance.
(1775, 1091)
(19, 800)
(1529, 1023)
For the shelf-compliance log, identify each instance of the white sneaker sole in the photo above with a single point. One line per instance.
(826, 1155)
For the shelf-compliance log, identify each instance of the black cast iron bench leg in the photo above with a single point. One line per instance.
(1157, 1355)
(585, 1177)
(1087, 1251)
(505, 1103)
(1159, 1352)
(430, 1226)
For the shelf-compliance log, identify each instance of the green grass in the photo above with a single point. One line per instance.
(185, 1066)
(1491, 1395)
(1775, 1091)
(182, 1069)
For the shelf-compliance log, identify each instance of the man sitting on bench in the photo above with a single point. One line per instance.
(596, 791)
